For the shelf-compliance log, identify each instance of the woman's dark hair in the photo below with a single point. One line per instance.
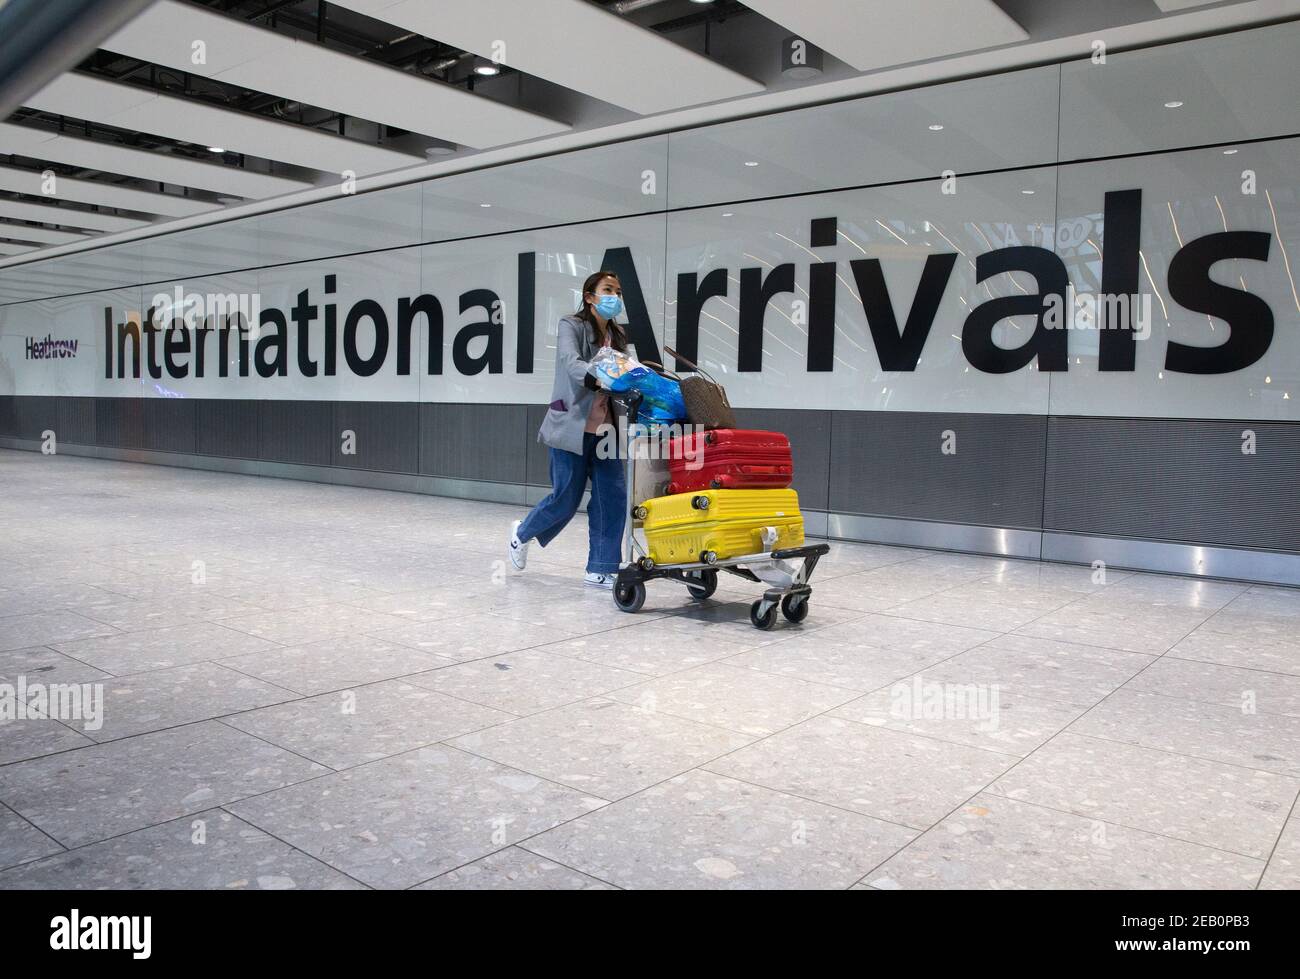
(618, 339)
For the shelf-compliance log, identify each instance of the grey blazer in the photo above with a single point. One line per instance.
(566, 416)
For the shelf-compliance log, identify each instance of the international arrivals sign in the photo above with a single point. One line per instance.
(181, 336)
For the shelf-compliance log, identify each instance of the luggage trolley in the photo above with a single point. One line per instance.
(785, 571)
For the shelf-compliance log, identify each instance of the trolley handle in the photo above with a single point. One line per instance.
(631, 400)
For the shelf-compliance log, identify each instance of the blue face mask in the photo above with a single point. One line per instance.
(609, 306)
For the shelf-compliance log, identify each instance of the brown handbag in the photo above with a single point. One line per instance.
(706, 399)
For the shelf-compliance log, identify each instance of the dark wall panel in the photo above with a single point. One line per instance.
(1175, 480)
(474, 441)
(539, 460)
(168, 424)
(76, 420)
(1156, 479)
(119, 422)
(387, 435)
(296, 431)
(226, 427)
(890, 464)
(810, 442)
(34, 415)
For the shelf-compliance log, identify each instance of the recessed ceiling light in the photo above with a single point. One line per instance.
(1173, 105)
(216, 149)
(485, 205)
(1026, 192)
(482, 66)
(751, 163)
(1229, 152)
(727, 214)
(936, 127)
(440, 149)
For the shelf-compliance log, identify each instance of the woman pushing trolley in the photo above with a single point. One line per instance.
(706, 496)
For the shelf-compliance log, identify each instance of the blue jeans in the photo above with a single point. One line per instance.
(606, 513)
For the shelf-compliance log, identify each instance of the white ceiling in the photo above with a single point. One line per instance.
(45, 236)
(601, 75)
(138, 109)
(33, 184)
(147, 165)
(561, 41)
(257, 58)
(66, 216)
(873, 34)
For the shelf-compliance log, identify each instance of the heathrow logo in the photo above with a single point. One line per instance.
(50, 348)
(366, 337)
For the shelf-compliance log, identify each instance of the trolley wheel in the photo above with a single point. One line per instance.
(708, 557)
(708, 584)
(646, 564)
(639, 512)
(629, 597)
(700, 502)
(764, 622)
(795, 607)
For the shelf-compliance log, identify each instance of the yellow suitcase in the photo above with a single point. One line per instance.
(678, 529)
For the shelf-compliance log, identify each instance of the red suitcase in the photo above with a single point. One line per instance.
(729, 458)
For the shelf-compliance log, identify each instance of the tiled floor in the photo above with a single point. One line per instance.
(318, 686)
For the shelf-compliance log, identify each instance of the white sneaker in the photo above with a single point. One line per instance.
(599, 580)
(518, 548)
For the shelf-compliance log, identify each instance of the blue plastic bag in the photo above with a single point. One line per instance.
(661, 396)
(620, 372)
